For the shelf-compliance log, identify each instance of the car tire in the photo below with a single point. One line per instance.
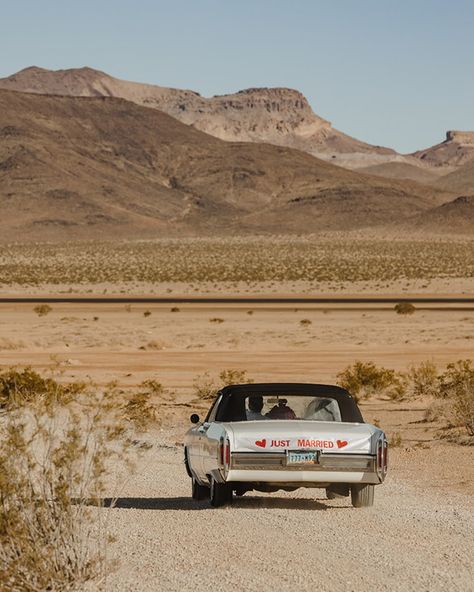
(362, 496)
(220, 494)
(199, 492)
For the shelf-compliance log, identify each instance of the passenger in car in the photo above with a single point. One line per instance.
(323, 410)
(254, 412)
(281, 411)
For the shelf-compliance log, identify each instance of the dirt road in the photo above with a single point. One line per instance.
(413, 538)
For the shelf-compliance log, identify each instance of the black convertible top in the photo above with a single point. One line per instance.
(232, 406)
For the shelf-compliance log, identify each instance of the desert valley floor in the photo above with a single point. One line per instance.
(160, 532)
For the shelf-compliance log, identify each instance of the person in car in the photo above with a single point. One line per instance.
(281, 411)
(254, 412)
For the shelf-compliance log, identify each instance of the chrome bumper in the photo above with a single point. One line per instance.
(277, 461)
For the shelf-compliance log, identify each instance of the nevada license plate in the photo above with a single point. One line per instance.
(302, 457)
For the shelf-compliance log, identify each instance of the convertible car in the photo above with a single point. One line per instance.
(267, 437)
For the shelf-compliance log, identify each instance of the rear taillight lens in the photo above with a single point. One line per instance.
(221, 452)
(224, 453)
(382, 457)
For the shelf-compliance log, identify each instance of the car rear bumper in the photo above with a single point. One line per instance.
(331, 468)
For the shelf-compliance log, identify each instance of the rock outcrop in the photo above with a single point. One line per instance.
(454, 152)
(280, 116)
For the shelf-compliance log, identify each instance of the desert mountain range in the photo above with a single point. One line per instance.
(103, 157)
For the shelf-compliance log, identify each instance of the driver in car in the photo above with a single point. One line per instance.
(281, 411)
(254, 412)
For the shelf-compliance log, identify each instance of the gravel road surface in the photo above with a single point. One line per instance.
(412, 539)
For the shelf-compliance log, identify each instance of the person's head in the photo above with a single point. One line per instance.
(256, 403)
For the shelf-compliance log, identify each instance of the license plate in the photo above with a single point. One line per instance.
(302, 457)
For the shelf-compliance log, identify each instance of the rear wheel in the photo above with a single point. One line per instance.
(362, 495)
(220, 494)
(199, 492)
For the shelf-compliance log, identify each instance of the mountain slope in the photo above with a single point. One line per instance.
(105, 167)
(278, 116)
(460, 180)
(454, 217)
(402, 170)
(455, 151)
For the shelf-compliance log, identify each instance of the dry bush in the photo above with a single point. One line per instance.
(422, 379)
(305, 322)
(175, 309)
(147, 313)
(206, 386)
(216, 320)
(42, 309)
(364, 379)
(404, 308)
(234, 376)
(54, 459)
(139, 410)
(395, 440)
(456, 388)
(19, 387)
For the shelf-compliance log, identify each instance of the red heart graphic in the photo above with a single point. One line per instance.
(261, 443)
(341, 443)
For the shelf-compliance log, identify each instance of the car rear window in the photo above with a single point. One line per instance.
(256, 407)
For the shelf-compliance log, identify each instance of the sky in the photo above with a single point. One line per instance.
(397, 73)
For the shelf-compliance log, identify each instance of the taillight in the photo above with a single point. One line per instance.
(221, 452)
(227, 452)
(382, 457)
(224, 452)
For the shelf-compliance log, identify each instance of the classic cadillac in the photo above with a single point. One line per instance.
(267, 437)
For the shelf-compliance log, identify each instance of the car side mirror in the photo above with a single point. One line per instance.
(194, 418)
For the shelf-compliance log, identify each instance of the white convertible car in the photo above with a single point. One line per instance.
(267, 437)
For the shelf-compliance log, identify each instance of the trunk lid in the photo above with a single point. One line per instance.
(281, 435)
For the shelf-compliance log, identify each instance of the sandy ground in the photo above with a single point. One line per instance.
(462, 286)
(419, 534)
(416, 537)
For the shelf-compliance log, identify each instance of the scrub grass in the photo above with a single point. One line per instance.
(57, 443)
(238, 259)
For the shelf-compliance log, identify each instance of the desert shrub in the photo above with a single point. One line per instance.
(423, 379)
(42, 309)
(54, 460)
(20, 387)
(147, 313)
(404, 308)
(456, 387)
(363, 379)
(395, 440)
(206, 386)
(216, 320)
(175, 309)
(139, 410)
(305, 322)
(233, 376)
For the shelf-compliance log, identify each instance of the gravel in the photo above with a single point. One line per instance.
(412, 539)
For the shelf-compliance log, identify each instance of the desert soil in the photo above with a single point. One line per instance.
(419, 534)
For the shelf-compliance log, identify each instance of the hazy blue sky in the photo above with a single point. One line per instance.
(392, 72)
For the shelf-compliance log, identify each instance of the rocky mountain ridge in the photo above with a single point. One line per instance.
(280, 116)
(102, 167)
